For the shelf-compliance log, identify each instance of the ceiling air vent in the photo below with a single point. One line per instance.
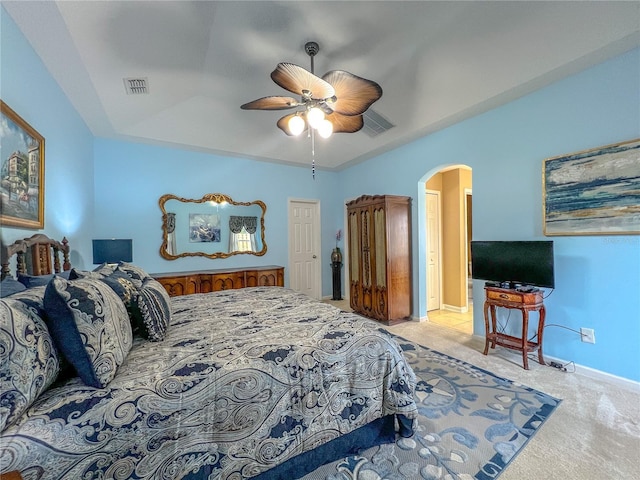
(375, 124)
(136, 86)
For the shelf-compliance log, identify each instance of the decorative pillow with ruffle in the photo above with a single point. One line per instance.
(90, 326)
(134, 271)
(29, 361)
(152, 310)
(125, 288)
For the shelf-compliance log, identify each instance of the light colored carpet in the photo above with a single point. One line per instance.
(593, 434)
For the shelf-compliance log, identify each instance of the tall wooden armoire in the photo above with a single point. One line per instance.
(380, 257)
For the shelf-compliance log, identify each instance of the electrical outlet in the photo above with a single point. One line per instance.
(587, 335)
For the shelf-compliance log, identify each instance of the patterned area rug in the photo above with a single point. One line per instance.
(472, 424)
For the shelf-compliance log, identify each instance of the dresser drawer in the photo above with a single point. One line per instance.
(510, 296)
(227, 281)
(505, 296)
(177, 286)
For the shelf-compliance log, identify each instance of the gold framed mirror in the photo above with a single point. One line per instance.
(214, 226)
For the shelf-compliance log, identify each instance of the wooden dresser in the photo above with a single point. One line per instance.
(380, 257)
(203, 281)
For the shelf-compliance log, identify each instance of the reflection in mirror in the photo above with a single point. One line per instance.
(214, 226)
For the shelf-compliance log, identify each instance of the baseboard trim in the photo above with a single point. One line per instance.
(588, 372)
(453, 308)
(600, 375)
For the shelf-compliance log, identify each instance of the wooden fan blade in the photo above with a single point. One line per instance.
(354, 94)
(296, 79)
(283, 124)
(345, 123)
(271, 103)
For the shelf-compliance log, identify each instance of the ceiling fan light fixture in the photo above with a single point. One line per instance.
(315, 116)
(296, 125)
(341, 96)
(325, 129)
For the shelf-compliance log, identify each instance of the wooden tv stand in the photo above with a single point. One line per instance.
(523, 301)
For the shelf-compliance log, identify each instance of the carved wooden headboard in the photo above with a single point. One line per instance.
(36, 255)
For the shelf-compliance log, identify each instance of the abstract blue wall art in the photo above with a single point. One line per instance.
(593, 192)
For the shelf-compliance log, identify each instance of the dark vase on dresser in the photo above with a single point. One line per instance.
(336, 269)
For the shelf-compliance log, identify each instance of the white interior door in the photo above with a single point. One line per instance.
(304, 247)
(433, 251)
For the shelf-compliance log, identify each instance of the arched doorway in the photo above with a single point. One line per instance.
(446, 227)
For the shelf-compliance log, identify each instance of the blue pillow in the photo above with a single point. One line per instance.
(152, 310)
(75, 274)
(104, 269)
(30, 361)
(30, 281)
(9, 286)
(33, 298)
(90, 326)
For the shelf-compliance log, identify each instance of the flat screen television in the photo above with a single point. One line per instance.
(112, 250)
(514, 262)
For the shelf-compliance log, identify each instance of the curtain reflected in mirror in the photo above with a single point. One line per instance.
(243, 234)
(171, 233)
(214, 226)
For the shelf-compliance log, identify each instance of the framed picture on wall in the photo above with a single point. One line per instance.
(593, 192)
(21, 172)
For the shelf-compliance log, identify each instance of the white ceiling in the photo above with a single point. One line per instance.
(437, 62)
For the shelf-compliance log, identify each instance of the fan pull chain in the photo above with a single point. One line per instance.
(313, 154)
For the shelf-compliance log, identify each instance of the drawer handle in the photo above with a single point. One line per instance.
(504, 295)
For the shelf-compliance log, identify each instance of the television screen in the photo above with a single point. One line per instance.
(112, 251)
(517, 262)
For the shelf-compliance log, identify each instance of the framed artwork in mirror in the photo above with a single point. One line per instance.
(21, 172)
(204, 228)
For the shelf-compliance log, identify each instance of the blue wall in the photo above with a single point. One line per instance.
(102, 188)
(130, 178)
(597, 277)
(27, 88)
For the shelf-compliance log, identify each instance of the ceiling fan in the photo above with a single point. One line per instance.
(331, 104)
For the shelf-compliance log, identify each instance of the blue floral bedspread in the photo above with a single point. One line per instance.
(244, 381)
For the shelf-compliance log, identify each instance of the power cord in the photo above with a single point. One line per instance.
(562, 326)
(500, 327)
(558, 365)
(563, 366)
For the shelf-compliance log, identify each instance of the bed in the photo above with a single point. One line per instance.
(259, 383)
